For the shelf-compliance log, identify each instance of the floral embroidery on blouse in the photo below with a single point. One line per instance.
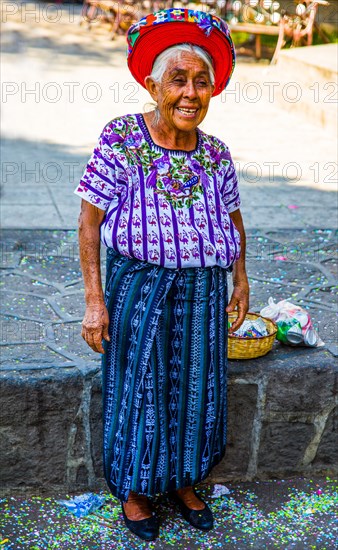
(163, 206)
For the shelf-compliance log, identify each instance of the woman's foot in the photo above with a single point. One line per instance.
(190, 498)
(193, 509)
(137, 507)
(138, 517)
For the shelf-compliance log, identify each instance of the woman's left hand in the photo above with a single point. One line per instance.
(240, 301)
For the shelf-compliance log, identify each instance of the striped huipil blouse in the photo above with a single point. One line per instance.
(163, 206)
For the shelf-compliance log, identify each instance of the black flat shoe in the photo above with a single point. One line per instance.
(201, 519)
(146, 529)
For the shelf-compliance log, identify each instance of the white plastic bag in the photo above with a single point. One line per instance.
(294, 324)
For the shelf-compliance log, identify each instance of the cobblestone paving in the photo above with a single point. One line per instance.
(43, 304)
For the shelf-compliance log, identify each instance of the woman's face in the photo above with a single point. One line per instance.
(184, 94)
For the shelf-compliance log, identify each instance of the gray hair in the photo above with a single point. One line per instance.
(174, 52)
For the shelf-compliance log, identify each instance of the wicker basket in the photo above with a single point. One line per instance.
(249, 348)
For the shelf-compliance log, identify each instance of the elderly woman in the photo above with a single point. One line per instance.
(162, 196)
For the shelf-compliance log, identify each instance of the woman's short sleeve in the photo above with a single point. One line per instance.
(229, 188)
(98, 182)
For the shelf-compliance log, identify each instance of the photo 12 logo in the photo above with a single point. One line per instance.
(69, 92)
(290, 92)
(37, 12)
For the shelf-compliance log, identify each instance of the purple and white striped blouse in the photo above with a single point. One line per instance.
(163, 206)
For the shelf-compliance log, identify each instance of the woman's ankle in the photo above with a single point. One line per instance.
(184, 490)
(189, 497)
(137, 507)
(136, 497)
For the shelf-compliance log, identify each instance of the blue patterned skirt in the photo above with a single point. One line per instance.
(164, 375)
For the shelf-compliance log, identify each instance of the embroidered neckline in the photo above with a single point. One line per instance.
(159, 148)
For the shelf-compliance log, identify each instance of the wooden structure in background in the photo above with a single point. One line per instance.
(298, 27)
(257, 30)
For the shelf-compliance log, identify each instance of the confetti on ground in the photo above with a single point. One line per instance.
(294, 514)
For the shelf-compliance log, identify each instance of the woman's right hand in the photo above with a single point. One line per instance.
(95, 326)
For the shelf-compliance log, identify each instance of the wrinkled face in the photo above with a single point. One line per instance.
(184, 94)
